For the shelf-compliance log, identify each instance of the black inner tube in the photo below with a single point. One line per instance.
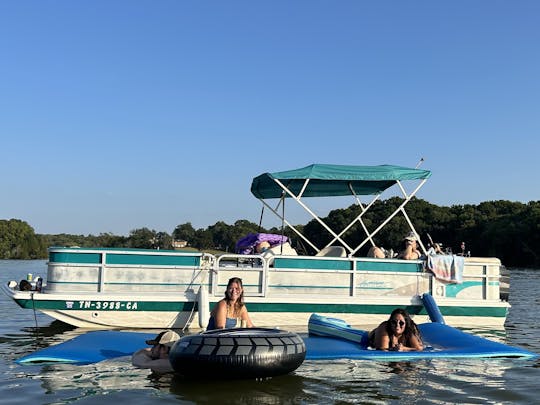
(238, 353)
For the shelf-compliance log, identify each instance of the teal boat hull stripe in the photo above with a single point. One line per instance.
(254, 307)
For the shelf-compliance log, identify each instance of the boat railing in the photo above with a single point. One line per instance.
(253, 269)
(122, 270)
(351, 277)
(482, 274)
(504, 283)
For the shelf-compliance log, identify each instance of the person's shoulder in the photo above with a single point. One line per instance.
(221, 303)
(382, 326)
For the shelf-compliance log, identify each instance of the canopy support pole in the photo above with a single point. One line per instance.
(358, 218)
(315, 216)
(399, 209)
(282, 218)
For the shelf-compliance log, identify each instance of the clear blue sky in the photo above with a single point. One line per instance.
(117, 115)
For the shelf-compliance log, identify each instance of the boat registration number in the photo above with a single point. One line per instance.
(104, 305)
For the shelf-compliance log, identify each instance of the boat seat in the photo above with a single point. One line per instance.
(332, 251)
(284, 249)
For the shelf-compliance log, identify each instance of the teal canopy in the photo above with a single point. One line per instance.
(334, 180)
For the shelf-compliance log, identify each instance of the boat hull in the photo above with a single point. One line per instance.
(111, 288)
(98, 311)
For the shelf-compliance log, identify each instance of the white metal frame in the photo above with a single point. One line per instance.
(338, 236)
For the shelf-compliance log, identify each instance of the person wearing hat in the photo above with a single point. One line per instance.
(410, 252)
(156, 357)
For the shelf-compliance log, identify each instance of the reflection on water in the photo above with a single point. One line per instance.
(337, 381)
(387, 381)
(277, 390)
(119, 375)
(30, 339)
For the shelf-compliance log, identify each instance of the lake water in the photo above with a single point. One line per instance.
(116, 381)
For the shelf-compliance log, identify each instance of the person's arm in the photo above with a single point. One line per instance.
(376, 252)
(415, 345)
(244, 316)
(382, 340)
(141, 358)
(161, 366)
(410, 253)
(220, 314)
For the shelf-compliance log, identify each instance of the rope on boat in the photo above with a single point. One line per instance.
(282, 219)
(34, 310)
(260, 219)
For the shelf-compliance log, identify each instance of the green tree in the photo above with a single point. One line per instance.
(184, 232)
(143, 238)
(18, 241)
(163, 240)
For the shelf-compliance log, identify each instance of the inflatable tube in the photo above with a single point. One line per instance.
(337, 328)
(432, 308)
(238, 353)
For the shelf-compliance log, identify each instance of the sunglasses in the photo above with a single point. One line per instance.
(394, 322)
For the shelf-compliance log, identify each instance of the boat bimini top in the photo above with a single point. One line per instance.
(323, 180)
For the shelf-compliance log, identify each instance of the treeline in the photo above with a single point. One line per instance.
(504, 229)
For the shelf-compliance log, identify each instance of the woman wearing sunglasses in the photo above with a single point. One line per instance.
(398, 333)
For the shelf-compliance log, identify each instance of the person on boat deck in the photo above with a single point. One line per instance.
(399, 333)
(410, 252)
(156, 358)
(262, 247)
(435, 248)
(231, 308)
(376, 252)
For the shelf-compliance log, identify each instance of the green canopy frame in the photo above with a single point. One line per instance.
(323, 180)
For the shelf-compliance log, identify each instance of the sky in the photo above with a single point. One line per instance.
(118, 115)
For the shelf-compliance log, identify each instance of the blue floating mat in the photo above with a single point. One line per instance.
(90, 348)
(331, 338)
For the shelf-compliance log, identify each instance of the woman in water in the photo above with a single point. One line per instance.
(231, 308)
(398, 333)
